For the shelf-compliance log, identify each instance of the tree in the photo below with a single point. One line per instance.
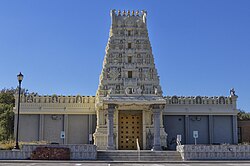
(7, 96)
(6, 122)
(242, 115)
(7, 102)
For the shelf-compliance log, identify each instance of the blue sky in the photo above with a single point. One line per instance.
(201, 47)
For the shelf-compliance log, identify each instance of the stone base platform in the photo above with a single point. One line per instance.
(77, 152)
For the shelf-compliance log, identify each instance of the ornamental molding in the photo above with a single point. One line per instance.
(200, 100)
(55, 99)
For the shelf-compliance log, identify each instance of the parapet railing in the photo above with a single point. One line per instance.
(197, 100)
(33, 98)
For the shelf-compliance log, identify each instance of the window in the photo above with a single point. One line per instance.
(129, 74)
(129, 59)
(129, 45)
(129, 33)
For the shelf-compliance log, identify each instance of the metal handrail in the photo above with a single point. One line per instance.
(138, 148)
(178, 142)
(137, 144)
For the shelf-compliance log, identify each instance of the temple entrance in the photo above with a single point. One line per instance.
(130, 128)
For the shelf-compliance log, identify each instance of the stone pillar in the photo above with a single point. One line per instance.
(186, 129)
(234, 97)
(235, 129)
(156, 109)
(110, 126)
(211, 129)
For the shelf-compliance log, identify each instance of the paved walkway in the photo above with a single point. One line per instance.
(121, 163)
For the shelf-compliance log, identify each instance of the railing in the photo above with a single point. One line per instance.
(35, 98)
(138, 148)
(221, 100)
(178, 141)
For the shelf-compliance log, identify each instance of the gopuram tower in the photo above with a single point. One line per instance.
(129, 99)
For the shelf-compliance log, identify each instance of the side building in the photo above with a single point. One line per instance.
(44, 118)
(129, 106)
(57, 119)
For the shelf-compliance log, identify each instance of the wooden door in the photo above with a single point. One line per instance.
(130, 128)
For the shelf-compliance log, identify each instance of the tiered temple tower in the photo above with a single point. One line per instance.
(128, 67)
(129, 84)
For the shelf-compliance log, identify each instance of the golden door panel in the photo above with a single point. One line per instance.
(130, 128)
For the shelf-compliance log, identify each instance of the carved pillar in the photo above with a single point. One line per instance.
(234, 101)
(110, 126)
(234, 97)
(156, 109)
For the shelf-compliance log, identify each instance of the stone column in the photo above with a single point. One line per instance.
(156, 109)
(110, 127)
(234, 97)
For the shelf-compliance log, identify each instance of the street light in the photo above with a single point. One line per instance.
(19, 78)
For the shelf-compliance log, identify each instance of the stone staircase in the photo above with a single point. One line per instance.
(134, 155)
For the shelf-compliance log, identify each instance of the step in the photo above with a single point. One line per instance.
(133, 155)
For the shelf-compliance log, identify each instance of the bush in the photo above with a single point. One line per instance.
(7, 145)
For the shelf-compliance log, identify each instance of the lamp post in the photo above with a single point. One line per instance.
(19, 78)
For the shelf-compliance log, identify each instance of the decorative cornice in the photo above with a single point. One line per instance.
(200, 100)
(56, 99)
(170, 100)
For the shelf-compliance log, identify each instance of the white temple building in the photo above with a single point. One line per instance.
(129, 106)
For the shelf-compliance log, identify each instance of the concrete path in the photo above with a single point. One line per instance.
(120, 163)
